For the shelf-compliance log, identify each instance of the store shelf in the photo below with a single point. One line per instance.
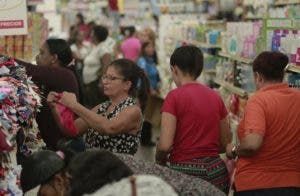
(209, 71)
(293, 68)
(231, 88)
(204, 45)
(236, 58)
(286, 2)
(254, 18)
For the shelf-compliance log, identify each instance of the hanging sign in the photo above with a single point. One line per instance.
(35, 2)
(13, 17)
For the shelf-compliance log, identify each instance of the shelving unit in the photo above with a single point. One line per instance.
(204, 45)
(254, 18)
(236, 58)
(286, 2)
(231, 88)
(209, 71)
(293, 68)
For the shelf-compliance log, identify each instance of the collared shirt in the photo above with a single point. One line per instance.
(273, 112)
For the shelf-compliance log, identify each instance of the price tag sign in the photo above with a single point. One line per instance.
(13, 17)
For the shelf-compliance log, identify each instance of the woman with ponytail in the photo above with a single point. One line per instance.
(113, 125)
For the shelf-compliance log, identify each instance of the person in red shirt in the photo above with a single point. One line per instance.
(194, 126)
(82, 27)
(269, 133)
(114, 13)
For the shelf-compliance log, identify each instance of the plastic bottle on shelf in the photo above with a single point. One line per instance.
(213, 37)
(294, 44)
(233, 45)
(224, 41)
(276, 40)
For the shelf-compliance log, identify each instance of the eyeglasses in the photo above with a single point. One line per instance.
(111, 78)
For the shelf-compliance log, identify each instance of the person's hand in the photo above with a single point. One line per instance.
(229, 154)
(52, 99)
(68, 99)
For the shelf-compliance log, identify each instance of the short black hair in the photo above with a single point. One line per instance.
(100, 32)
(40, 167)
(128, 30)
(80, 17)
(189, 59)
(62, 49)
(271, 65)
(93, 169)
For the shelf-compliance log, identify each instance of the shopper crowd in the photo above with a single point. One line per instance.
(108, 85)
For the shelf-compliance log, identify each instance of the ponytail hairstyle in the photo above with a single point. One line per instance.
(140, 87)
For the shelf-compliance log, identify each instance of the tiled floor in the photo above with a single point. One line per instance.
(148, 153)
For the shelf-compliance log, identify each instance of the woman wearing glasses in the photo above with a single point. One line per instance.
(113, 125)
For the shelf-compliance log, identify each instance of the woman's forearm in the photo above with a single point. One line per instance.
(91, 118)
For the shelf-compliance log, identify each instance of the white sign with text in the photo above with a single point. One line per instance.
(13, 17)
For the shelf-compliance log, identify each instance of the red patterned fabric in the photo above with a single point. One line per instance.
(66, 117)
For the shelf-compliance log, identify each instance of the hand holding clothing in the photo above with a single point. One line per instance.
(68, 99)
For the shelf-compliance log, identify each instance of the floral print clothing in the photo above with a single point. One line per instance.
(121, 143)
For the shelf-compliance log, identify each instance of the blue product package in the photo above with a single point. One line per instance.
(294, 80)
(213, 37)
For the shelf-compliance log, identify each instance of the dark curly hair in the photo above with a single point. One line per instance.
(93, 169)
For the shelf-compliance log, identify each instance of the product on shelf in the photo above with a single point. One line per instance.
(245, 78)
(294, 80)
(225, 71)
(240, 38)
(283, 35)
(26, 46)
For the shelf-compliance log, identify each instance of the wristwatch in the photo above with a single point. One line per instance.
(234, 150)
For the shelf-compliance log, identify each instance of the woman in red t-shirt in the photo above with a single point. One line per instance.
(194, 126)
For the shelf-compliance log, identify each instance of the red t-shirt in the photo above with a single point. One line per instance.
(113, 5)
(86, 31)
(198, 110)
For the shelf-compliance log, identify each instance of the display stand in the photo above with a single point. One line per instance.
(20, 101)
